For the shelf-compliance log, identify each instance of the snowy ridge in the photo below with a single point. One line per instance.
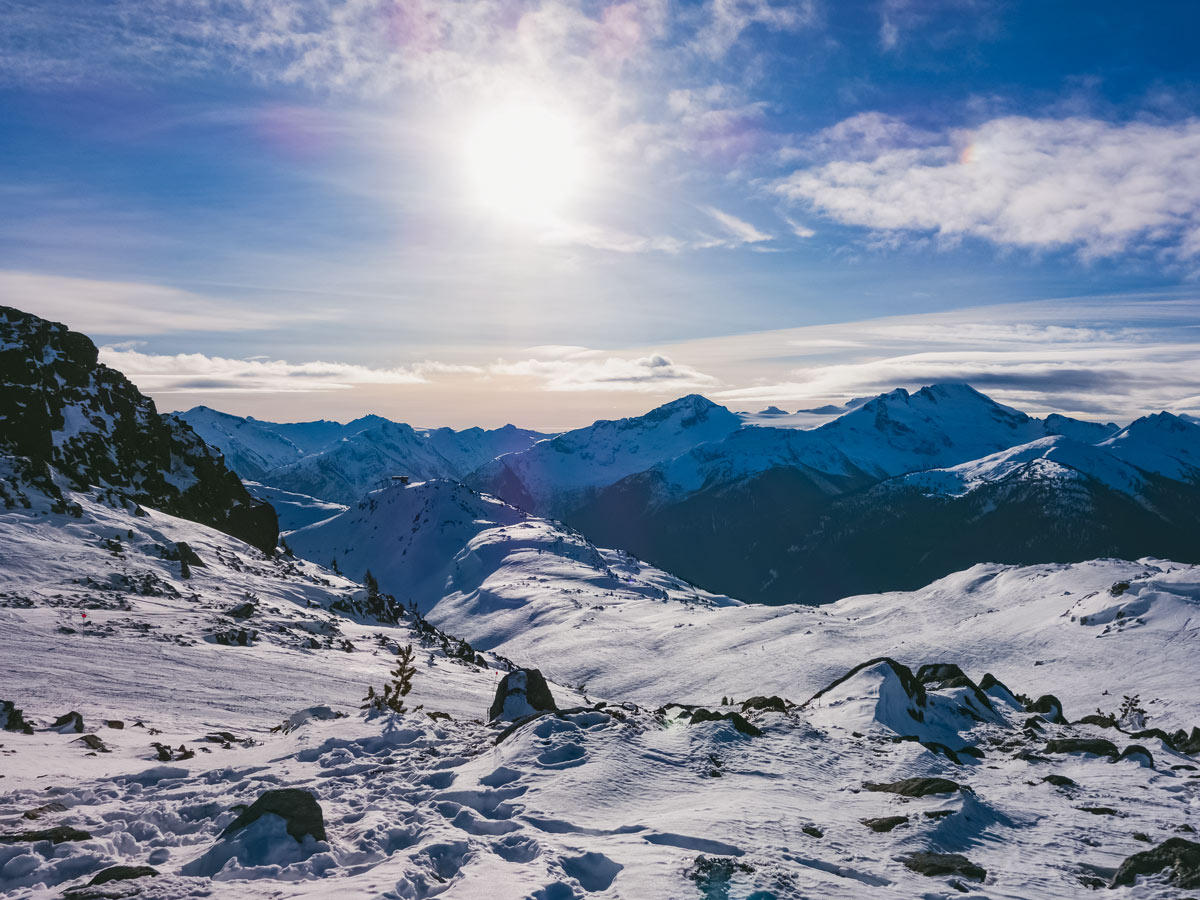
(549, 474)
(338, 463)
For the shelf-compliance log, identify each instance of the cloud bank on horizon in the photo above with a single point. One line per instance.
(677, 196)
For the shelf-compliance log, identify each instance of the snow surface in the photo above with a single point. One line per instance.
(614, 802)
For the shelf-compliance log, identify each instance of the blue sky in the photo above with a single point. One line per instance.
(475, 212)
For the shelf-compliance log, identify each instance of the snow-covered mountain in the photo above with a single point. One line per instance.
(339, 463)
(878, 498)
(68, 421)
(554, 475)
(184, 716)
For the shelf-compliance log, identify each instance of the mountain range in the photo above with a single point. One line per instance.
(893, 492)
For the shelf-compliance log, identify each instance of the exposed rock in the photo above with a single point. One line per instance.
(1180, 856)
(1059, 780)
(885, 823)
(1096, 746)
(56, 835)
(812, 831)
(933, 864)
(45, 809)
(242, 611)
(1049, 707)
(13, 719)
(1138, 754)
(707, 715)
(65, 415)
(122, 873)
(915, 787)
(235, 637)
(68, 723)
(92, 742)
(1099, 810)
(767, 704)
(298, 807)
(115, 724)
(912, 686)
(521, 693)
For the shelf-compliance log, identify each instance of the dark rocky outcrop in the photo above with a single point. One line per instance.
(68, 723)
(122, 873)
(298, 807)
(736, 720)
(13, 719)
(57, 835)
(1049, 708)
(1180, 856)
(766, 704)
(915, 787)
(1096, 746)
(911, 684)
(66, 420)
(522, 692)
(934, 864)
(884, 823)
(1139, 754)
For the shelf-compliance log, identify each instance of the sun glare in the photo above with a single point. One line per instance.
(524, 162)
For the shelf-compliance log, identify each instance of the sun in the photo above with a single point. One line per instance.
(524, 162)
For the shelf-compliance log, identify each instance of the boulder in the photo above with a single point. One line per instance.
(884, 823)
(521, 693)
(1138, 754)
(933, 864)
(13, 719)
(1049, 707)
(1096, 746)
(706, 715)
(68, 723)
(297, 807)
(767, 704)
(915, 787)
(1178, 855)
(57, 835)
(122, 873)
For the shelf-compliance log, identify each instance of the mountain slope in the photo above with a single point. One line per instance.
(815, 515)
(339, 463)
(67, 420)
(553, 474)
(874, 764)
(251, 448)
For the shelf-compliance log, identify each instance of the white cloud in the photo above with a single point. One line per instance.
(729, 18)
(199, 373)
(1104, 188)
(800, 231)
(592, 371)
(742, 232)
(127, 307)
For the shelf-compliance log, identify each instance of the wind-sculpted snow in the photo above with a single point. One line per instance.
(892, 771)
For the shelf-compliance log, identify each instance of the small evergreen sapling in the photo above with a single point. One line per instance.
(392, 698)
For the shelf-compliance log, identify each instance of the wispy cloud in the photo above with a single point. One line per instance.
(1143, 356)
(1101, 187)
(740, 231)
(588, 370)
(199, 373)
